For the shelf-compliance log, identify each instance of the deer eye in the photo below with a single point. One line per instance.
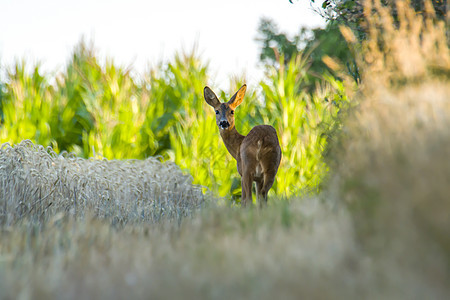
(217, 112)
(232, 112)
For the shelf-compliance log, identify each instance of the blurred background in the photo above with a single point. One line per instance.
(141, 33)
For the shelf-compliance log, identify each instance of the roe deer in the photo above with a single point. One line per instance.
(258, 154)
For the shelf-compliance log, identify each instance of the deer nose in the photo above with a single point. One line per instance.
(224, 124)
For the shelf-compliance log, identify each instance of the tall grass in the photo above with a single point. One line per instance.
(220, 254)
(391, 166)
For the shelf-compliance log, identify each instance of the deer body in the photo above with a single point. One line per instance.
(258, 154)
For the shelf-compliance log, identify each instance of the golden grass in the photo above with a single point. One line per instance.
(305, 249)
(287, 251)
(391, 167)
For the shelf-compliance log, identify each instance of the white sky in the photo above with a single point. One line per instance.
(142, 33)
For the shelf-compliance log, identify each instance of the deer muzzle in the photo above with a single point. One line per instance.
(224, 124)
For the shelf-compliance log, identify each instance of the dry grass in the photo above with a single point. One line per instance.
(222, 254)
(305, 249)
(391, 168)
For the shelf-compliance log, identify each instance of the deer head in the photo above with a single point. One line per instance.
(224, 111)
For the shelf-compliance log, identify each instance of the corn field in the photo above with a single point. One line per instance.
(97, 109)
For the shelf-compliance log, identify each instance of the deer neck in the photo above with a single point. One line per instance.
(232, 140)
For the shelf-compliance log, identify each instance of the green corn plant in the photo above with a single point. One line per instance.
(104, 105)
(302, 121)
(197, 148)
(26, 106)
(174, 96)
(119, 114)
(73, 115)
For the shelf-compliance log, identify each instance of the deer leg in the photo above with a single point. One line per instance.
(247, 181)
(243, 196)
(269, 179)
(259, 192)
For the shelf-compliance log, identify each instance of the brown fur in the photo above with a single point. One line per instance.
(258, 154)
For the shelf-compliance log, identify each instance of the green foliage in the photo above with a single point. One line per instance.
(314, 43)
(102, 105)
(275, 43)
(99, 109)
(26, 105)
(303, 122)
(329, 42)
(351, 12)
(176, 99)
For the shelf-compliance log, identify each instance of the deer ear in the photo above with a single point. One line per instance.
(238, 97)
(210, 97)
